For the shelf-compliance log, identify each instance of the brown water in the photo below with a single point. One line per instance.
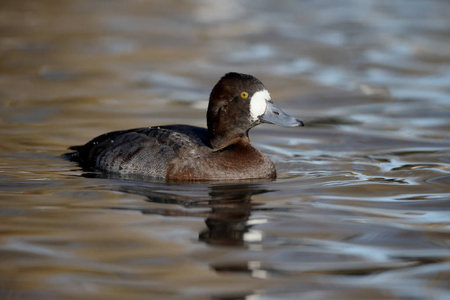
(361, 208)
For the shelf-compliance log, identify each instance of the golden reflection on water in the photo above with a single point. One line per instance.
(361, 204)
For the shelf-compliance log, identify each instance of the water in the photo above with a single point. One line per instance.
(361, 207)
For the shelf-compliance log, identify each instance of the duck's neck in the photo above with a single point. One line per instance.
(219, 141)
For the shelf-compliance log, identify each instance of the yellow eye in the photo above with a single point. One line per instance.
(244, 95)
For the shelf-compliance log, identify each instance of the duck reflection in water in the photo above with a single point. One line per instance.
(227, 208)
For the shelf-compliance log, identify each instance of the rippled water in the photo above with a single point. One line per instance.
(361, 207)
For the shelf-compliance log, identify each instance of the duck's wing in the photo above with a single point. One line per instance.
(144, 151)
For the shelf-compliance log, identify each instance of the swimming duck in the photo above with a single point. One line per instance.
(238, 102)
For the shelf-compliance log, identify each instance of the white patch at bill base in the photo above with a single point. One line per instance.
(258, 104)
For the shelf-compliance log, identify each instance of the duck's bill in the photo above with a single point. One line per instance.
(274, 115)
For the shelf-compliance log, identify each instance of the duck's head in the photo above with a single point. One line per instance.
(239, 102)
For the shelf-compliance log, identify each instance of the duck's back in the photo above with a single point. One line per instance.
(145, 151)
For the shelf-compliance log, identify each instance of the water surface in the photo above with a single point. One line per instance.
(361, 207)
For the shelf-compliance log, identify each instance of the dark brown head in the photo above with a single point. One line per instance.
(239, 102)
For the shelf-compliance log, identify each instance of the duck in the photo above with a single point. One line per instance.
(220, 152)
